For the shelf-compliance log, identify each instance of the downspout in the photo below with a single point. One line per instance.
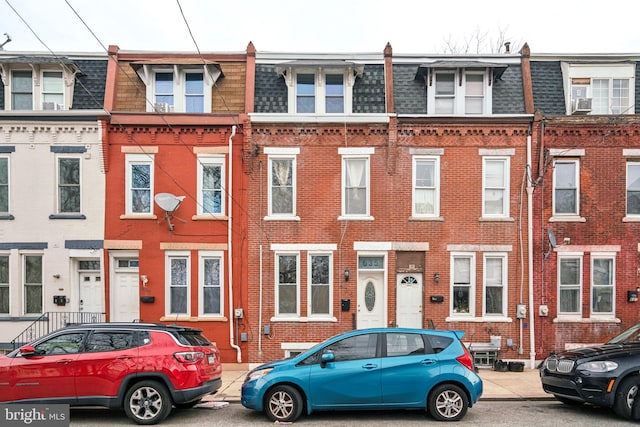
(260, 270)
(232, 335)
(532, 336)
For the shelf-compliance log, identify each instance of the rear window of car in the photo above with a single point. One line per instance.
(439, 342)
(192, 338)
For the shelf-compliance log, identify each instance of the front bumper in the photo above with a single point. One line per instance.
(581, 388)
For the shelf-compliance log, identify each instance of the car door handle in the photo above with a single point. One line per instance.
(369, 366)
(428, 362)
(64, 361)
(124, 357)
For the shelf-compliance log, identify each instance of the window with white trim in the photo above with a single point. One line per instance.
(603, 88)
(52, 90)
(355, 189)
(463, 284)
(569, 284)
(566, 187)
(177, 273)
(211, 278)
(69, 191)
(495, 186)
(282, 185)
(287, 284)
(4, 185)
(426, 186)
(495, 285)
(38, 88)
(459, 91)
(320, 285)
(5, 292)
(603, 284)
(211, 176)
(139, 183)
(32, 283)
(633, 188)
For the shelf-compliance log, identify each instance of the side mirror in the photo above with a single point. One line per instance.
(327, 357)
(27, 350)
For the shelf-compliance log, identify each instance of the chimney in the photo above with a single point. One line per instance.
(507, 48)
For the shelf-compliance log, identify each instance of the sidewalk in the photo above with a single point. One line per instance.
(497, 385)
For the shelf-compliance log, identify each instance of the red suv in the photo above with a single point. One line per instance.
(145, 369)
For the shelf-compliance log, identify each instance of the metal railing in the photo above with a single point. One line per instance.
(51, 321)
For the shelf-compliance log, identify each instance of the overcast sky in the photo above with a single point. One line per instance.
(355, 26)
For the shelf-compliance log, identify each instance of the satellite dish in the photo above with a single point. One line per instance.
(169, 203)
(552, 239)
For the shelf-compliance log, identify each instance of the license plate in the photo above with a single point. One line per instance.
(211, 359)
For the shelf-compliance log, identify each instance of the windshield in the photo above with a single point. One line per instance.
(631, 335)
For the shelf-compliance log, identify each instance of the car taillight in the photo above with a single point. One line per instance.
(189, 356)
(466, 359)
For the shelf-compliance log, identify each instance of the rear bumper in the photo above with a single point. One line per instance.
(195, 393)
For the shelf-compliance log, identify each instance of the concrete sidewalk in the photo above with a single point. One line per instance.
(496, 385)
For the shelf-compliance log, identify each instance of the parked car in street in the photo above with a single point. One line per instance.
(382, 368)
(605, 375)
(143, 368)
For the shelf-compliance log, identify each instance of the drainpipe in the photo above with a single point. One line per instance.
(232, 334)
(532, 337)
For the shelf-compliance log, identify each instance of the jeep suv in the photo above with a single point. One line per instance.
(143, 368)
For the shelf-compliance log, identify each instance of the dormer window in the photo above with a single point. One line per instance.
(320, 87)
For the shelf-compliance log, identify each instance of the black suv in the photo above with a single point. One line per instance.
(143, 368)
(606, 375)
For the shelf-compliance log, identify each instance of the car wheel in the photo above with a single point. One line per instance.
(448, 402)
(283, 404)
(147, 402)
(625, 395)
(567, 401)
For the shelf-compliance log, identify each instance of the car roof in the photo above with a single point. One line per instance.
(132, 325)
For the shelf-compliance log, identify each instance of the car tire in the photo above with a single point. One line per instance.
(147, 402)
(447, 402)
(283, 403)
(626, 393)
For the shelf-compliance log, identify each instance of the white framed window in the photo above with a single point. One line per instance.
(305, 93)
(334, 93)
(5, 291)
(603, 284)
(459, 91)
(570, 284)
(69, 186)
(178, 283)
(211, 184)
(566, 187)
(495, 284)
(320, 289)
(211, 283)
(602, 88)
(426, 186)
(495, 186)
(4, 185)
(356, 186)
(194, 92)
(633, 188)
(52, 90)
(32, 283)
(163, 91)
(39, 87)
(22, 90)
(139, 183)
(282, 185)
(463, 267)
(287, 279)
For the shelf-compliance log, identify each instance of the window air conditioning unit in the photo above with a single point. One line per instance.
(581, 106)
(162, 107)
(49, 106)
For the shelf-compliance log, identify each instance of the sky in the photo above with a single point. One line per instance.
(330, 26)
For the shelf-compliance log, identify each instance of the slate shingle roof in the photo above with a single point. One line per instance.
(88, 93)
(548, 91)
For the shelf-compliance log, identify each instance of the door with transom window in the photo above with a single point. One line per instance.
(409, 300)
(372, 305)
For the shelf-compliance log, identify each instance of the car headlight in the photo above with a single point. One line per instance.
(254, 375)
(598, 367)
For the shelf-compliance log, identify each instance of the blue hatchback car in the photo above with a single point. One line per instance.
(382, 368)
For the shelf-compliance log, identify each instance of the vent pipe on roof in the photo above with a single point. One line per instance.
(507, 48)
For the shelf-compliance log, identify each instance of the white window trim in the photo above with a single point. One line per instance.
(505, 284)
(506, 161)
(167, 274)
(202, 255)
(635, 216)
(212, 160)
(459, 91)
(575, 214)
(294, 179)
(37, 76)
(580, 257)
(130, 160)
(8, 212)
(23, 267)
(610, 256)
(367, 214)
(276, 269)
(472, 285)
(7, 285)
(324, 316)
(57, 196)
(436, 183)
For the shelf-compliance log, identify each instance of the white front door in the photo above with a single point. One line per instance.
(91, 295)
(371, 303)
(125, 297)
(409, 300)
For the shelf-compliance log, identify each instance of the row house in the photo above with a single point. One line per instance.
(389, 190)
(175, 214)
(586, 169)
(52, 184)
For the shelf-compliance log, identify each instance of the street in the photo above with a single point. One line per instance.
(485, 413)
